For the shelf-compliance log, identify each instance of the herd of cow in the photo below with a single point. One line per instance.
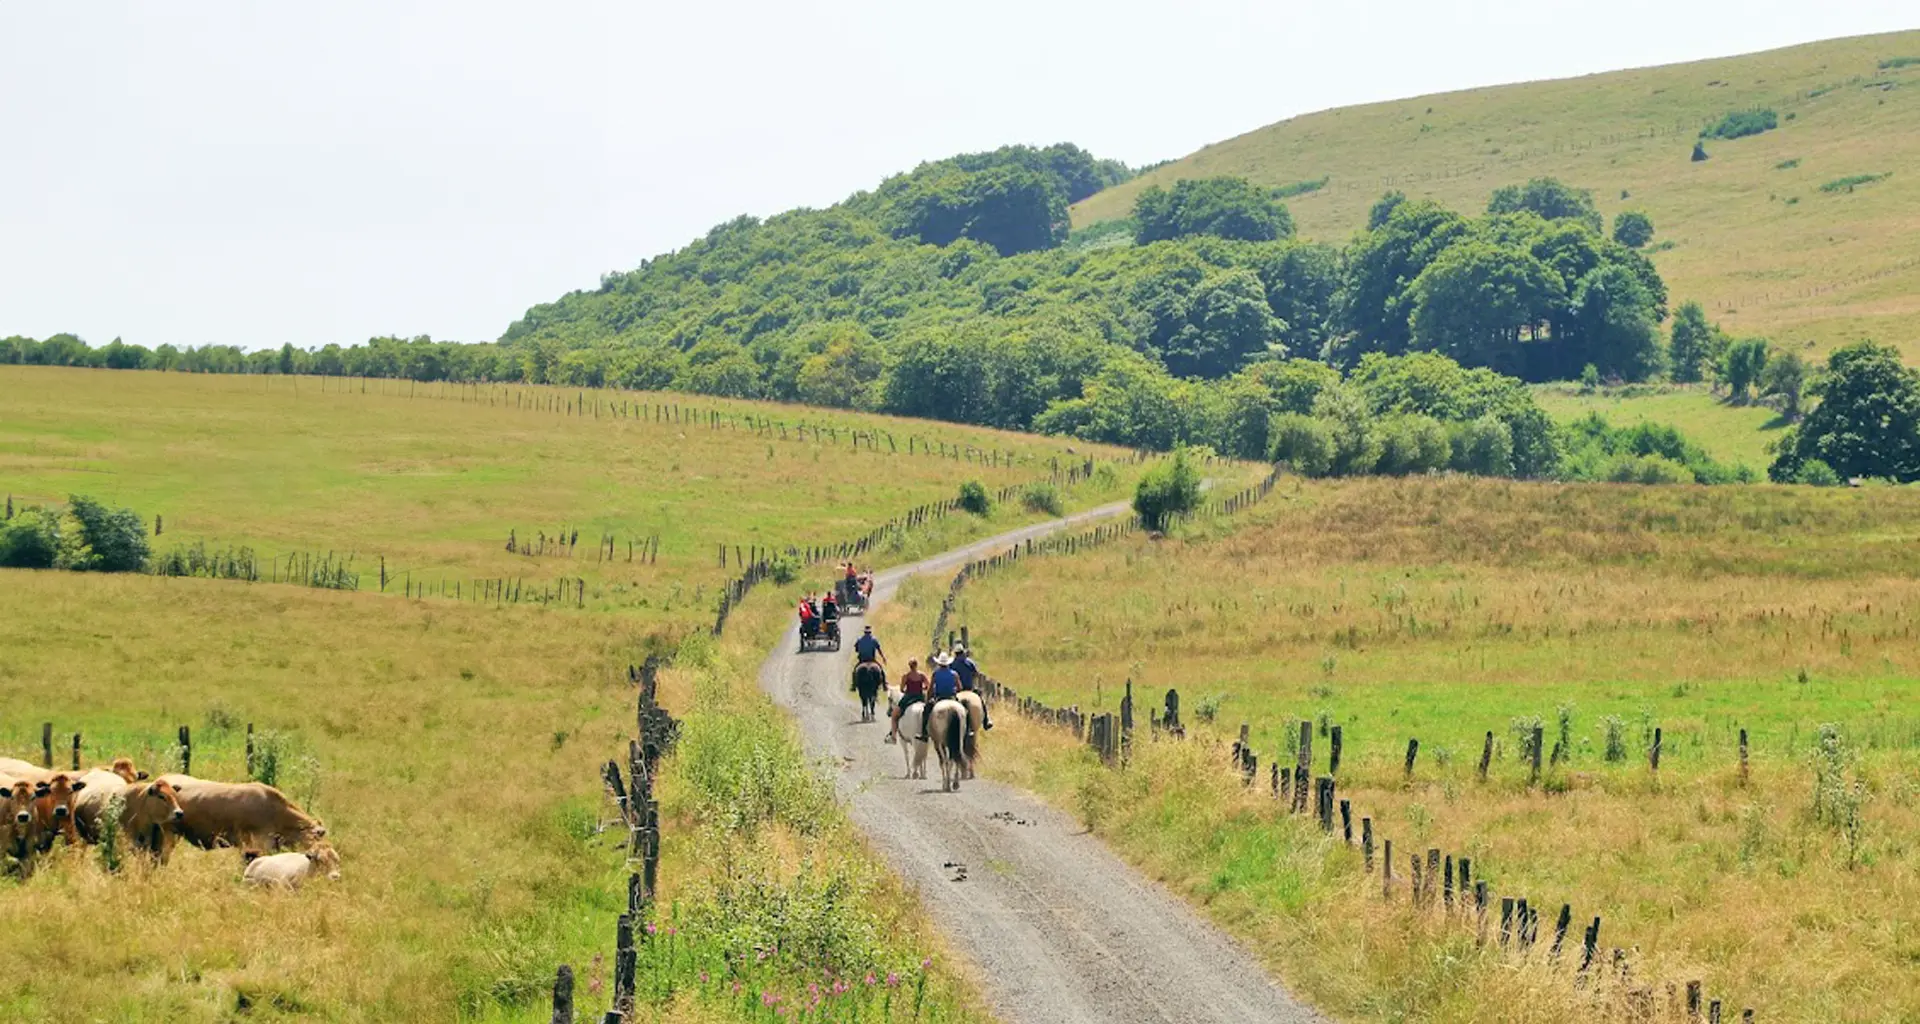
(42, 805)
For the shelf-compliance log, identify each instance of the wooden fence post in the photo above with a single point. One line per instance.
(1333, 751)
(1480, 911)
(1506, 921)
(1386, 869)
(1446, 886)
(1539, 739)
(186, 751)
(1366, 843)
(46, 745)
(76, 751)
(563, 995)
(1486, 756)
(1346, 821)
(1560, 925)
(1433, 872)
(1413, 751)
(1654, 754)
(249, 750)
(1743, 758)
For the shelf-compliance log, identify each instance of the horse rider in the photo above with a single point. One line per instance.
(913, 690)
(969, 678)
(946, 683)
(867, 648)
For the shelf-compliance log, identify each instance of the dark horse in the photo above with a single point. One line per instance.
(869, 679)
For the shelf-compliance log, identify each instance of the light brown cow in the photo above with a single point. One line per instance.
(123, 767)
(16, 815)
(241, 814)
(22, 770)
(101, 786)
(288, 870)
(53, 809)
(152, 817)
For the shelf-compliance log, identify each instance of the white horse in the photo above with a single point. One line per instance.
(976, 721)
(948, 729)
(911, 745)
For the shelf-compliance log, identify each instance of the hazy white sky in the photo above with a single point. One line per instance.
(249, 173)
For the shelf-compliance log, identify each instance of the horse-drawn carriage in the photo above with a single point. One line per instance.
(851, 592)
(819, 634)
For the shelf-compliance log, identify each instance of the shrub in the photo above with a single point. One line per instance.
(1742, 123)
(1167, 490)
(31, 540)
(1852, 181)
(1646, 469)
(1633, 229)
(973, 498)
(1589, 379)
(785, 568)
(1483, 446)
(1412, 445)
(1615, 730)
(96, 539)
(1896, 63)
(1041, 496)
(1816, 473)
(1299, 188)
(1787, 165)
(1303, 443)
(1741, 366)
(1699, 151)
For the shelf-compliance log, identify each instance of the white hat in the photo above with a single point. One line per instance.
(943, 658)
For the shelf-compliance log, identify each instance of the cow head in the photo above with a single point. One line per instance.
(123, 767)
(163, 803)
(324, 859)
(59, 791)
(17, 798)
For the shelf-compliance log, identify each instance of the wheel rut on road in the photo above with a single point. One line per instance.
(1061, 930)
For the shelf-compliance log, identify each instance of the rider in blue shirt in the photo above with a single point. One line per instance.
(969, 674)
(946, 683)
(868, 647)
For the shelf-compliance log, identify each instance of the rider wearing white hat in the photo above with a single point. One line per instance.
(946, 683)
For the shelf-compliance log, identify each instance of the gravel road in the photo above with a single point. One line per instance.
(1061, 930)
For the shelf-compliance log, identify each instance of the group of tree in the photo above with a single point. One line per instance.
(949, 292)
(86, 536)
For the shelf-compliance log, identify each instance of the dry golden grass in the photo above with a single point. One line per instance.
(435, 484)
(1758, 243)
(453, 755)
(1443, 609)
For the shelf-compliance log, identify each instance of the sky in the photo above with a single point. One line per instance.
(248, 173)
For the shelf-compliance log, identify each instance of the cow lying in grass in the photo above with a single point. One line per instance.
(288, 870)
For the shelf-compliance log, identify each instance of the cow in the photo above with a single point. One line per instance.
(241, 814)
(152, 816)
(16, 825)
(288, 870)
(53, 809)
(22, 770)
(100, 787)
(123, 767)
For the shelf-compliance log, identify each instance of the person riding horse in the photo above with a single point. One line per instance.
(945, 685)
(913, 690)
(868, 680)
(969, 673)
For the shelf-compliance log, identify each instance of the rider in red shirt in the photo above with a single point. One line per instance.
(913, 688)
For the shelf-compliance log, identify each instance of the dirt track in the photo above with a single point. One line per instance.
(1061, 930)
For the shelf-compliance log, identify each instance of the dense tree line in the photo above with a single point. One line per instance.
(84, 537)
(949, 292)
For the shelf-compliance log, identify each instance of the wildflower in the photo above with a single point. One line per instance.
(893, 980)
(869, 977)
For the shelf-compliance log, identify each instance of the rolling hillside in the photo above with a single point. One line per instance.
(1749, 232)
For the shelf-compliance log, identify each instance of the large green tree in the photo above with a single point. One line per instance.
(1696, 345)
(1867, 423)
(1479, 300)
(1550, 199)
(1224, 207)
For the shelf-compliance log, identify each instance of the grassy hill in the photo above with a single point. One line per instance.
(1450, 610)
(1752, 234)
(1736, 434)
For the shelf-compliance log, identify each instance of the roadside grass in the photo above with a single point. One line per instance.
(1735, 434)
(1753, 236)
(436, 484)
(1444, 609)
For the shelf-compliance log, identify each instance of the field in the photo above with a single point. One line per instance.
(452, 746)
(1735, 434)
(1752, 234)
(1443, 610)
(435, 479)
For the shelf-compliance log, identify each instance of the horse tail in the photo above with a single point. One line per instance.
(955, 731)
